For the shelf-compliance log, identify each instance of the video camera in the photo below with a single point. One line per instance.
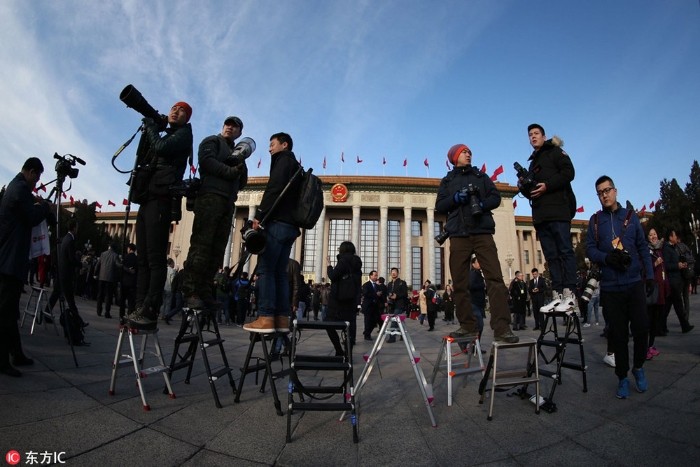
(133, 98)
(65, 167)
(526, 178)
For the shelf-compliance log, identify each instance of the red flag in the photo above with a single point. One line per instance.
(64, 195)
(259, 162)
(111, 203)
(98, 205)
(448, 165)
(35, 190)
(193, 169)
(425, 163)
(125, 202)
(42, 187)
(651, 205)
(383, 160)
(72, 201)
(643, 210)
(359, 160)
(405, 162)
(324, 162)
(498, 172)
(483, 168)
(515, 203)
(299, 160)
(342, 157)
(580, 209)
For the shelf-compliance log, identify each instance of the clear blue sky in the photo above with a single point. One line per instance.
(617, 81)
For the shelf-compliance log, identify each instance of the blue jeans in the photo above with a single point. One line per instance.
(300, 311)
(593, 307)
(555, 238)
(323, 312)
(272, 269)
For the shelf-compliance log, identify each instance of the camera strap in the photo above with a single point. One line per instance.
(626, 222)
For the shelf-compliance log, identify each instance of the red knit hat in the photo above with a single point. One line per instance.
(186, 107)
(455, 151)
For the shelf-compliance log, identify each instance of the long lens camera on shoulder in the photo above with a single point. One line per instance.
(591, 285)
(133, 98)
(65, 165)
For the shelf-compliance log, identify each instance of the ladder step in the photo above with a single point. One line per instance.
(186, 338)
(254, 368)
(220, 372)
(323, 389)
(311, 406)
(573, 366)
(317, 358)
(550, 343)
(318, 325)
(212, 342)
(466, 371)
(514, 381)
(153, 370)
(548, 373)
(321, 366)
(182, 364)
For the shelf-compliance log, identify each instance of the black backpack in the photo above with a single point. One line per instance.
(310, 201)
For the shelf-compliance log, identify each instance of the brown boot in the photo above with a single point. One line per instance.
(264, 324)
(281, 323)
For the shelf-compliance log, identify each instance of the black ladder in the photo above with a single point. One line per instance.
(550, 338)
(312, 365)
(265, 339)
(191, 335)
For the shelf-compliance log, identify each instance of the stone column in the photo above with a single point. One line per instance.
(407, 263)
(319, 263)
(356, 227)
(383, 242)
(429, 234)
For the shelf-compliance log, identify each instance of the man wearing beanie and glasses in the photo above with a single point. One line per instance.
(222, 177)
(467, 197)
(167, 154)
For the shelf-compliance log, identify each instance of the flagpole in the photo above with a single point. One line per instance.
(342, 159)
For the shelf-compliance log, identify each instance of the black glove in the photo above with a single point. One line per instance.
(650, 287)
(232, 161)
(615, 259)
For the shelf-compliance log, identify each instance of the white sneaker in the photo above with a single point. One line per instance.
(586, 325)
(609, 359)
(549, 307)
(568, 302)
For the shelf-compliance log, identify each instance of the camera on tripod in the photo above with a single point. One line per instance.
(254, 240)
(474, 200)
(133, 98)
(65, 167)
(526, 178)
(591, 284)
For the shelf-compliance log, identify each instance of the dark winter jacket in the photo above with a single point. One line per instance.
(671, 259)
(460, 222)
(347, 264)
(477, 288)
(282, 168)
(553, 167)
(634, 241)
(171, 152)
(218, 177)
(18, 214)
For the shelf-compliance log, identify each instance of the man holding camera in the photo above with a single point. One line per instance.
(467, 196)
(168, 156)
(222, 175)
(280, 232)
(616, 242)
(18, 214)
(553, 206)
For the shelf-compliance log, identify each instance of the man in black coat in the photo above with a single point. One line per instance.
(397, 298)
(674, 268)
(18, 214)
(536, 289)
(129, 276)
(370, 304)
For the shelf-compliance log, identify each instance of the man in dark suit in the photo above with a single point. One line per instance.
(536, 288)
(370, 304)
(129, 269)
(397, 298)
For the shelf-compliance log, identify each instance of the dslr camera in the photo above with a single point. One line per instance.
(254, 240)
(442, 237)
(591, 284)
(474, 200)
(187, 188)
(526, 177)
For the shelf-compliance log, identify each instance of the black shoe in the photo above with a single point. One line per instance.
(9, 370)
(81, 343)
(367, 338)
(167, 320)
(507, 337)
(194, 303)
(83, 323)
(99, 313)
(463, 333)
(688, 329)
(140, 320)
(431, 328)
(108, 316)
(22, 360)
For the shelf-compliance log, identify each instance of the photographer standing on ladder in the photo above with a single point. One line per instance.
(617, 243)
(467, 197)
(223, 176)
(18, 214)
(168, 157)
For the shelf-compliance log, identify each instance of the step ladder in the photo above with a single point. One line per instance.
(305, 364)
(199, 329)
(39, 313)
(413, 354)
(466, 346)
(137, 362)
(510, 378)
(265, 340)
(550, 338)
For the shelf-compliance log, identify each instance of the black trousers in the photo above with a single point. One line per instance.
(10, 293)
(371, 319)
(152, 228)
(675, 300)
(625, 310)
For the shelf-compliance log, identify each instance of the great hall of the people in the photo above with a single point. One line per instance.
(391, 221)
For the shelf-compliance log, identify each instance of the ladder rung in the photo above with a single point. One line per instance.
(514, 381)
(182, 364)
(466, 371)
(552, 374)
(336, 325)
(573, 366)
(212, 342)
(253, 368)
(152, 370)
(550, 343)
(321, 366)
(186, 338)
(220, 372)
(317, 358)
(310, 406)
(322, 389)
